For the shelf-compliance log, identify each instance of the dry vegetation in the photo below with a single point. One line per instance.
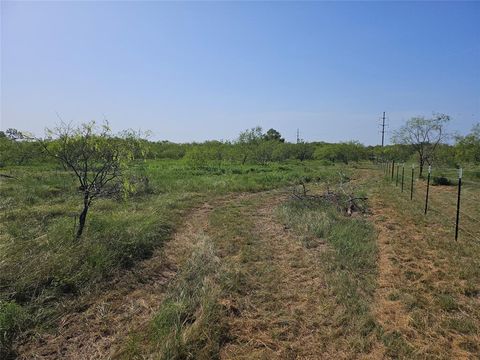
(428, 295)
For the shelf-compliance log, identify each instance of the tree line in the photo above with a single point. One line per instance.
(420, 139)
(97, 158)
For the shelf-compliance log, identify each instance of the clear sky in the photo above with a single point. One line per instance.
(196, 71)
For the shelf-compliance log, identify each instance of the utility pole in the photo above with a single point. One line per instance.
(383, 137)
(298, 136)
(383, 129)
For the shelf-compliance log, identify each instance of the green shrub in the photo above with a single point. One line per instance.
(441, 180)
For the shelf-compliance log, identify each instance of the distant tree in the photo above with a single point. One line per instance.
(273, 135)
(445, 155)
(342, 152)
(467, 148)
(248, 141)
(94, 156)
(14, 134)
(303, 151)
(397, 152)
(18, 147)
(167, 150)
(423, 135)
(207, 154)
(262, 153)
(251, 136)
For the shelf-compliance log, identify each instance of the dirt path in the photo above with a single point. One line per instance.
(281, 313)
(103, 323)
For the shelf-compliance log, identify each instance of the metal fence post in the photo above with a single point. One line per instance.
(458, 202)
(428, 188)
(403, 174)
(393, 167)
(396, 179)
(411, 185)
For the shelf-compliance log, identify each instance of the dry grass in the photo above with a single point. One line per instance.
(428, 297)
(275, 301)
(287, 296)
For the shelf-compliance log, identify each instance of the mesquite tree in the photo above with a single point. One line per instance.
(94, 156)
(248, 141)
(423, 135)
(467, 148)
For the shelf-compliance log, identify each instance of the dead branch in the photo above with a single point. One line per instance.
(344, 200)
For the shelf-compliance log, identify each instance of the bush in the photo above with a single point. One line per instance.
(441, 180)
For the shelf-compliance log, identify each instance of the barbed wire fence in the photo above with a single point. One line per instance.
(457, 205)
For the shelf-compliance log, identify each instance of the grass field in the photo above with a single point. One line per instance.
(41, 263)
(222, 262)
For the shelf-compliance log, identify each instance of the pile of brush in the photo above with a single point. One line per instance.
(342, 197)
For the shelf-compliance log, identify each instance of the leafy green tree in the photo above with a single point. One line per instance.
(303, 151)
(167, 150)
(423, 135)
(397, 152)
(283, 151)
(343, 152)
(445, 155)
(206, 154)
(273, 135)
(325, 152)
(262, 153)
(95, 156)
(14, 134)
(248, 142)
(467, 148)
(17, 147)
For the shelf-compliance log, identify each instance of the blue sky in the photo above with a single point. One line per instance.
(196, 71)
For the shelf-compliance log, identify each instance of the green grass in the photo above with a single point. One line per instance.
(41, 262)
(169, 175)
(189, 324)
(12, 321)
